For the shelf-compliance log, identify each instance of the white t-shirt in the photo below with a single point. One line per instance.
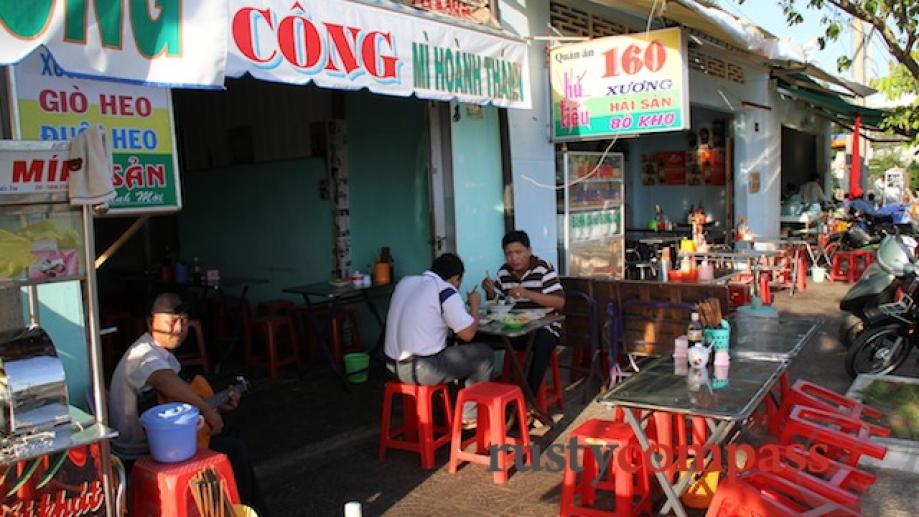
(417, 322)
(812, 192)
(129, 382)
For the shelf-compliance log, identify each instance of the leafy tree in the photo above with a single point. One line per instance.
(897, 23)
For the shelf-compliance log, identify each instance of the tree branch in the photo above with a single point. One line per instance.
(890, 39)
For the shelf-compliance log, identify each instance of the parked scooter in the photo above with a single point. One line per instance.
(876, 287)
(890, 329)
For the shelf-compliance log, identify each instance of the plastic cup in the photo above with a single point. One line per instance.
(353, 509)
(680, 346)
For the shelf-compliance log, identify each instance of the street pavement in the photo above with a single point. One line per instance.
(315, 445)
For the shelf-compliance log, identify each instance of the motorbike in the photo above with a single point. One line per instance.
(889, 332)
(861, 302)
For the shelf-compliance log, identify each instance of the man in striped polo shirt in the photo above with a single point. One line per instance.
(535, 284)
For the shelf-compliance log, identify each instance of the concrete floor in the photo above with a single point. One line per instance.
(315, 446)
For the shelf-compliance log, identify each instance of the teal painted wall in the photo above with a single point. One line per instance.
(478, 190)
(259, 221)
(267, 221)
(387, 163)
(61, 315)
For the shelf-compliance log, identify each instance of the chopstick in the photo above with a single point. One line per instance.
(498, 293)
(209, 491)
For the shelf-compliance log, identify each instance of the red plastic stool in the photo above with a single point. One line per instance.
(547, 395)
(765, 289)
(844, 266)
(805, 393)
(492, 399)
(270, 328)
(739, 293)
(801, 284)
(863, 260)
(198, 355)
(343, 318)
(845, 438)
(163, 488)
(418, 430)
(276, 308)
(758, 494)
(632, 490)
(839, 483)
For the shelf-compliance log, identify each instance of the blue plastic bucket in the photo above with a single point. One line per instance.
(171, 431)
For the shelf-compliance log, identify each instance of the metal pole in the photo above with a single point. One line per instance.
(672, 495)
(34, 306)
(95, 356)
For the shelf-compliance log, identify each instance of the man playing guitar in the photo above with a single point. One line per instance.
(148, 368)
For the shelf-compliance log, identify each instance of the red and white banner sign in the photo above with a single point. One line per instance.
(28, 167)
(349, 45)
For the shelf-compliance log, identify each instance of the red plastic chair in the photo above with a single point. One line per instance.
(805, 393)
(758, 494)
(847, 439)
(419, 432)
(492, 399)
(839, 483)
(632, 490)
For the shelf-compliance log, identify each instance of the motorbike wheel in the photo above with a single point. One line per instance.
(878, 350)
(849, 329)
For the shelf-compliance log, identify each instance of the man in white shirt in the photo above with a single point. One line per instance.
(812, 192)
(421, 312)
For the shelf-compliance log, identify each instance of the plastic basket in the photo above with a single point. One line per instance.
(357, 367)
(720, 338)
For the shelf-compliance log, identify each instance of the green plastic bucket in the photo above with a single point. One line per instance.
(356, 367)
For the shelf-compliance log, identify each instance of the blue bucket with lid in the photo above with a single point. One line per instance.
(172, 431)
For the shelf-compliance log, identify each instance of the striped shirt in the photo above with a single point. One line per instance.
(540, 277)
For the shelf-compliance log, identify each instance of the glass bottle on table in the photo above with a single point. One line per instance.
(694, 331)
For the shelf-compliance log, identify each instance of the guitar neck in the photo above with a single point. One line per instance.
(221, 398)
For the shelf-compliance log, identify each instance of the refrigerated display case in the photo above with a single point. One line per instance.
(592, 215)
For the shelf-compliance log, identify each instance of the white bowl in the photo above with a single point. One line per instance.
(499, 309)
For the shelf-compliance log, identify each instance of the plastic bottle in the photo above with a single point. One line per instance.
(694, 331)
(665, 264)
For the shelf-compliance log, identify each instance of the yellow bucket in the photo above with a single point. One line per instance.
(242, 510)
(700, 494)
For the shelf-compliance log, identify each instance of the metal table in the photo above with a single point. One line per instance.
(497, 329)
(337, 296)
(770, 339)
(660, 386)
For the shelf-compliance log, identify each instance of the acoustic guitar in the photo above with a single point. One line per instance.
(204, 390)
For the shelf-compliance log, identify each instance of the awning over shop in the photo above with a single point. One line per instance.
(385, 47)
(830, 103)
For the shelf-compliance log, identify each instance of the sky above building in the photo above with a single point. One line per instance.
(768, 15)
